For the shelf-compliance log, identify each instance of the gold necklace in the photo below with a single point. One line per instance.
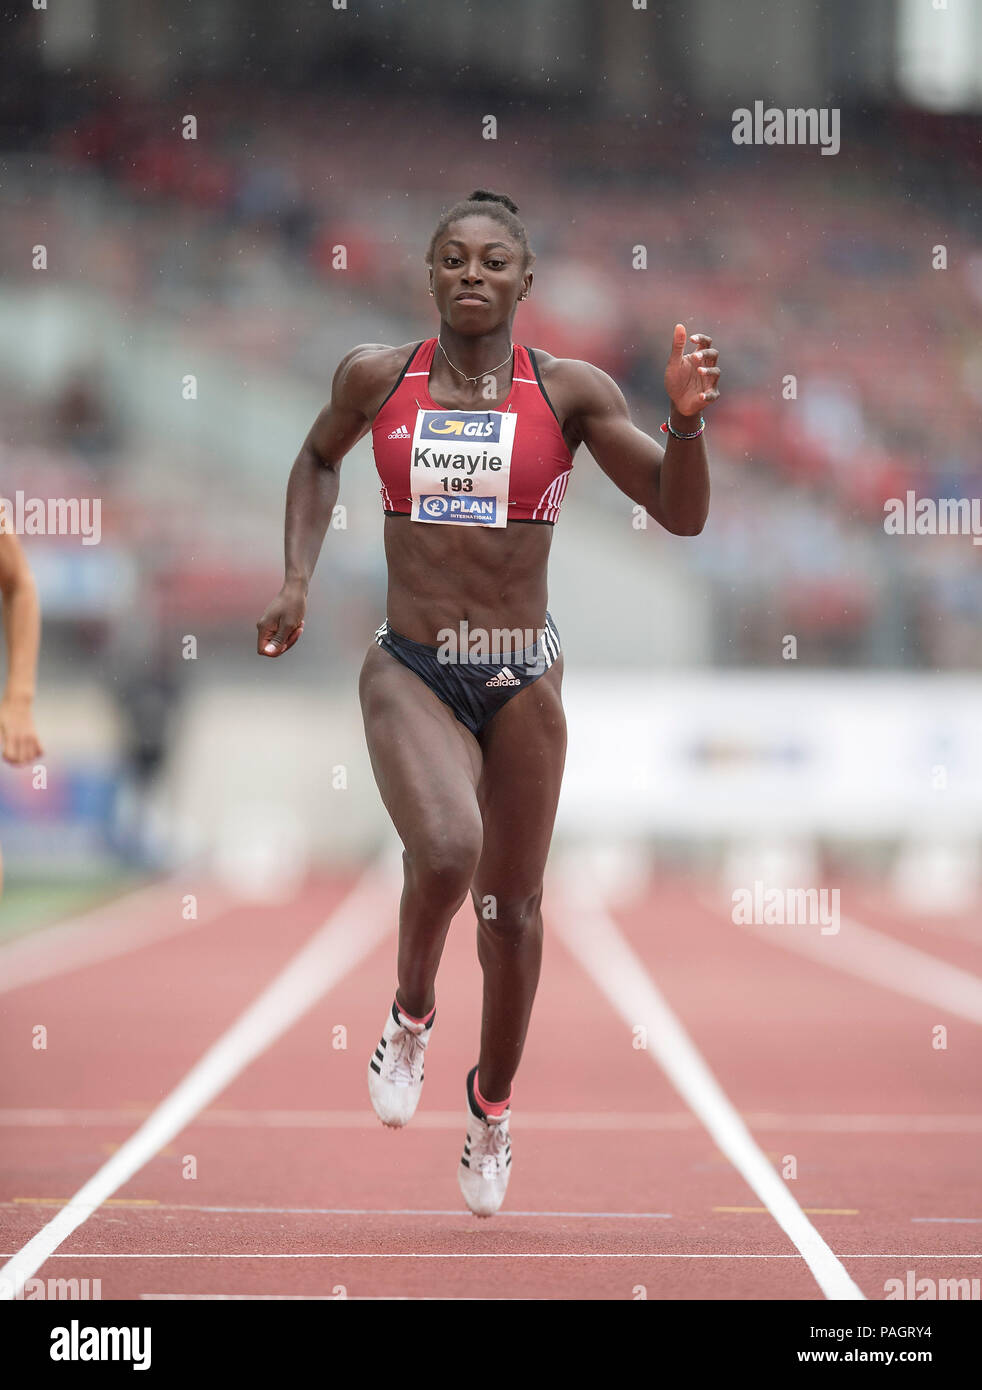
(475, 379)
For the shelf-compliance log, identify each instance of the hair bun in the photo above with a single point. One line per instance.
(481, 195)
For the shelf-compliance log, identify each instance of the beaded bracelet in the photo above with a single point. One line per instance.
(667, 429)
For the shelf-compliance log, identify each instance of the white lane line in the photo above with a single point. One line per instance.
(155, 1207)
(953, 1220)
(880, 959)
(592, 936)
(128, 923)
(527, 1120)
(867, 1124)
(432, 1211)
(349, 1119)
(874, 956)
(421, 1255)
(480, 1255)
(362, 920)
(152, 1208)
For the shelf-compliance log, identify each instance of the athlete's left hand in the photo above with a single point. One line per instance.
(18, 737)
(691, 380)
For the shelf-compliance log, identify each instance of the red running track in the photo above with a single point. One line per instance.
(617, 1191)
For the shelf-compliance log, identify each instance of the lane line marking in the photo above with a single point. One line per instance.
(352, 1211)
(809, 1211)
(354, 928)
(593, 938)
(879, 959)
(867, 1124)
(482, 1255)
(115, 928)
(417, 1255)
(63, 1201)
(954, 1220)
(960, 927)
(529, 1119)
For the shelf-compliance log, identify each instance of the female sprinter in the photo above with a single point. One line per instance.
(21, 618)
(474, 438)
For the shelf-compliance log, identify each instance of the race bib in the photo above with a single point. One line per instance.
(461, 466)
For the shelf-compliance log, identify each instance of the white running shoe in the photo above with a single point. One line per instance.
(485, 1165)
(395, 1073)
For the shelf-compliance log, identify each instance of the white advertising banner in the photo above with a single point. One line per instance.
(733, 752)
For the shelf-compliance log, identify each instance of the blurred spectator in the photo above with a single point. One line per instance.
(835, 330)
(82, 419)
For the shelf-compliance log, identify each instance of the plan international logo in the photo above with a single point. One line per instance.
(436, 507)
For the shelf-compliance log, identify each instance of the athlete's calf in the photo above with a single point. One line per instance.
(438, 871)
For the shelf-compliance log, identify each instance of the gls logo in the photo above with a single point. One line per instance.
(482, 425)
(474, 429)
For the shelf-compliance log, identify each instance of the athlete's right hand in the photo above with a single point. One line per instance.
(282, 623)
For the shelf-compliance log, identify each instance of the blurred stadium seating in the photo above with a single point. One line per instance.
(215, 257)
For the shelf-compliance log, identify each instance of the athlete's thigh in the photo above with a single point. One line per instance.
(524, 749)
(426, 763)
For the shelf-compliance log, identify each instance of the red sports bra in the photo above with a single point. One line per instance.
(470, 467)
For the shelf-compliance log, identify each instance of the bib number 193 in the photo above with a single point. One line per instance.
(460, 467)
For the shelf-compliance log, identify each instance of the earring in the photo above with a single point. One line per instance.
(431, 291)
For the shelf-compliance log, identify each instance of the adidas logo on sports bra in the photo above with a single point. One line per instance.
(504, 677)
(400, 433)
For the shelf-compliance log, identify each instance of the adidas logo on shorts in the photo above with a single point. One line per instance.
(400, 433)
(504, 677)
